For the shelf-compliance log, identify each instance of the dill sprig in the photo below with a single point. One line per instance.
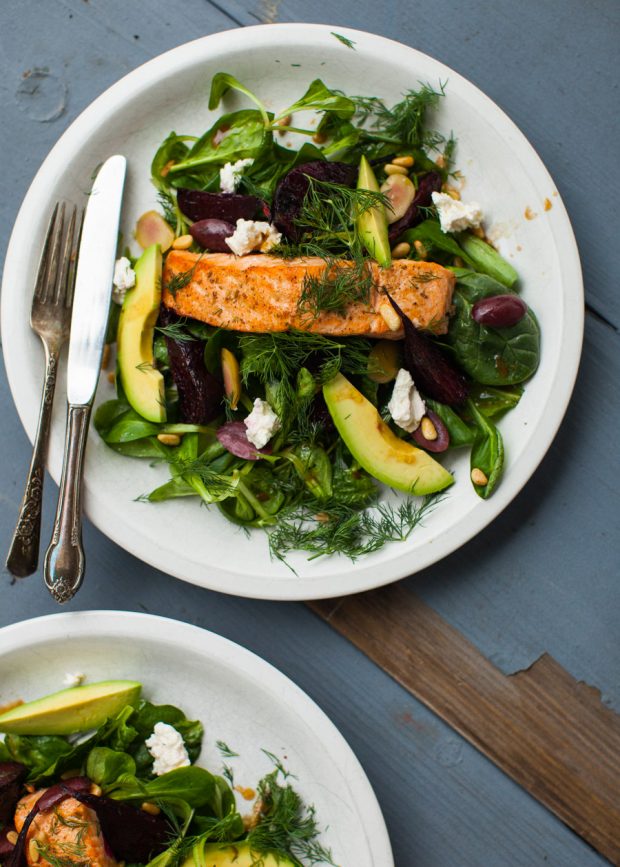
(176, 330)
(181, 280)
(339, 284)
(225, 750)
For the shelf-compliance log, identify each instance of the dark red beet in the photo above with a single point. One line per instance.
(12, 775)
(291, 191)
(427, 185)
(433, 373)
(499, 311)
(131, 834)
(233, 436)
(199, 205)
(200, 393)
(438, 445)
(211, 234)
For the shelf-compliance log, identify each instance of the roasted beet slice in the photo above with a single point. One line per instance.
(132, 834)
(200, 393)
(428, 184)
(211, 234)
(233, 436)
(230, 207)
(12, 775)
(433, 373)
(291, 191)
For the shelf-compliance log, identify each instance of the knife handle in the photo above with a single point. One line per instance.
(64, 560)
(23, 556)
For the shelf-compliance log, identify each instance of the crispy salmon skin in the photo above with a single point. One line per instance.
(260, 293)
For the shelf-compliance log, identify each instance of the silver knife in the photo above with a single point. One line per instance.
(64, 561)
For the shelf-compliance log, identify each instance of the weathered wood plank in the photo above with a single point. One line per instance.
(551, 734)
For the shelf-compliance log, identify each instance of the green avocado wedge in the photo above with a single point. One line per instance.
(379, 451)
(142, 383)
(372, 224)
(233, 855)
(73, 710)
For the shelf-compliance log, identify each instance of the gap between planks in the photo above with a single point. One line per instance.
(547, 731)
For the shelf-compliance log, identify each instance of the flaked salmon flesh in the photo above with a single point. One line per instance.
(260, 293)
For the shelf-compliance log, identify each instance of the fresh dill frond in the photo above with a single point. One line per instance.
(345, 40)
(225, 750)
(339, 284)
(176, 330)
(167, 203)
(277, 763)
(181, 280)
(228, 774)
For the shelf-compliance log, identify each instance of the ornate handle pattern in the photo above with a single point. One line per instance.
(23, 556)
(64, 560)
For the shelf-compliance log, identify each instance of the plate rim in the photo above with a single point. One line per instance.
(368, 576)
(61, 625)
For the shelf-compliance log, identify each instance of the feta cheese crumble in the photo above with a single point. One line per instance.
(167, 748)
(124, 279)
(261, 424)
(456, 216)
(406, 406)
(230, 175)
(73, 678)
(252, 235)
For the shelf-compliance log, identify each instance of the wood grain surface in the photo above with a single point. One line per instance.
(549, 732)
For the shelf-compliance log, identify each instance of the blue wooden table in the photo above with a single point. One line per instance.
(544, 576)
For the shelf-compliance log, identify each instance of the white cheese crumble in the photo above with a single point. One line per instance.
(456, 216)
(167, 748)
(406, 406)
(261, 424)
(73, 678)
(124, 279)
(252, 235)
(230, 175)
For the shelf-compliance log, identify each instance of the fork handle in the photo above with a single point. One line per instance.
(64, 560)
(23, 556)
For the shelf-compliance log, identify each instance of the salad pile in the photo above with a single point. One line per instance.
(96, 776)
(291, 430)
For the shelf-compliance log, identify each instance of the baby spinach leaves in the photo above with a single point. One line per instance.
(487, 453)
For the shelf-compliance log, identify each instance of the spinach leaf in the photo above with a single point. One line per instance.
(487, 453)
(147, 715)
(104, 766)
(38, 752)
(171, 490)
(314, 469)
(193, 785)
(240, 135)
(460, 432)
(319, 97)
(491, 356)
(430, 234)
(172, 150)
(222, 82)
(494, 402)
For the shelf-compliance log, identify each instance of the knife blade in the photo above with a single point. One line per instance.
(93, 280)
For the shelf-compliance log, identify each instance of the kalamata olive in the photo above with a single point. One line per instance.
(211, 234)
(499, 311)
(234, 437)
(201, 205)
(421, 436)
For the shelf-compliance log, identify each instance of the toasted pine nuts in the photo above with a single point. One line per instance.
(478, 231)
(96, 790)
(392, 169)
(429, 431)
(319, 138)
(29, 788)
(12, 837)
(401, 250)
(166, 168)
(440, 162)
(168, 439)
(458, 262)
(284, 121)
(407, 161)
(478, 477)
(111, 377)
(451, 191)
(150, 808)
(420, 249)
(105, 358)
(321, 517)
(390, 317)
(183, 242)
(33, 852)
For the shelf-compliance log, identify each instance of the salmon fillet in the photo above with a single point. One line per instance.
(259, 293)
(69, 833)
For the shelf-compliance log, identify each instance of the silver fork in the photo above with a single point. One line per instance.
(50, 318)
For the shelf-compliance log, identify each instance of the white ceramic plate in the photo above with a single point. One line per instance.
(502, 172)
(240, 699)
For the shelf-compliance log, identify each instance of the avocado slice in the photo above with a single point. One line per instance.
(379, 451)
(77, 709)
(232, 855)
(142, 383)
(372, 225)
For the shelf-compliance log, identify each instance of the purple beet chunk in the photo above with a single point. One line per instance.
(12, 775)
(233, 436)
(230, 207)
(433, 373)
(427, 185)
(200, 393)
(499, 311)
(211, 234)
(130, 833)
(438, 445)
(292, 189)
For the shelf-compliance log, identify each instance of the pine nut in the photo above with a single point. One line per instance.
(284, 121)
(451, 191)
(111, 377)
(319, 138)
(150, 808)
(183, 242)
(440, 162)
(429, 431)
(478, 231)
(407, 161)
(458, 262)
(29, 788)
(478, 477)
(33, 852)
(12, 837)
(392, 169)
(390, 317)
(168, 439)
(401, 250)
(420, 249)
(164, 172)
(96, 790)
